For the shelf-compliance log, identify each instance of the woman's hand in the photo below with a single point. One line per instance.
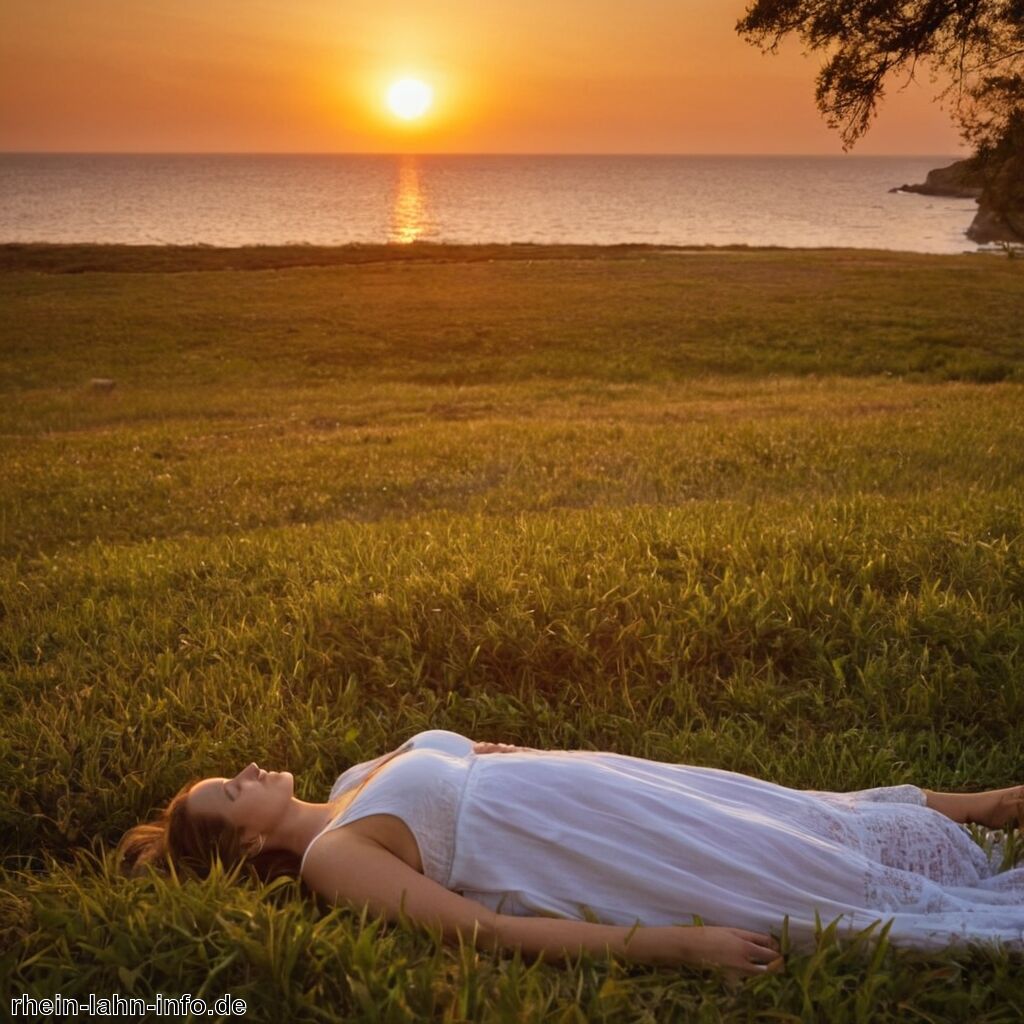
(497, 748)
(735, 950)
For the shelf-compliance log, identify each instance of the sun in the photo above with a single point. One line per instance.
(409, 98)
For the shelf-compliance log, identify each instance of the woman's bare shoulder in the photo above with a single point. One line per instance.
(389, 834)
(330, 849)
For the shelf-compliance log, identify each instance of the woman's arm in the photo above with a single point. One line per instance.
(347, 868)
(355, 870)
(553, 939)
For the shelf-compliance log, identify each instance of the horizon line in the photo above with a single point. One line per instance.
(400, 153)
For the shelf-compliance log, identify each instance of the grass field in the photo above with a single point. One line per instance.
(755, 509)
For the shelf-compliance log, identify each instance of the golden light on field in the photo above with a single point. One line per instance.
(410, 98)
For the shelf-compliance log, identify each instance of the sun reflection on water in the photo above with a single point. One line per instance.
(409, 215)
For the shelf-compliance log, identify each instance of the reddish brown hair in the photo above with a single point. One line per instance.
(192, 843)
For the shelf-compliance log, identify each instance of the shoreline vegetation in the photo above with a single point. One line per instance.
(758, 509)
(79, 258)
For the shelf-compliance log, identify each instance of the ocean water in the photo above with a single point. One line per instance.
(335, 199)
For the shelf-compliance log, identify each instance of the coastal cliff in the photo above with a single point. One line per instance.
(998, 190)
(962, 180)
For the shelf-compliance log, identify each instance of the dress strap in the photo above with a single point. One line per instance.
(339, 819)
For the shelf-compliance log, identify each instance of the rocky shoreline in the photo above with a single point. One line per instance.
(965, 179)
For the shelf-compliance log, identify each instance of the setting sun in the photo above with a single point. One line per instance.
(410, 98)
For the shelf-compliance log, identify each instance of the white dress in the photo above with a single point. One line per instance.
(621, 840)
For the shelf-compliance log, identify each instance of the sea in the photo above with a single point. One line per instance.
(331, 199)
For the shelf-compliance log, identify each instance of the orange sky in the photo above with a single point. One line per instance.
(510, 76)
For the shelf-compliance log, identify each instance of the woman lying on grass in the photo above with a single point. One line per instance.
(621, 849)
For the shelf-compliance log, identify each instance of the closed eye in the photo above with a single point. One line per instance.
(227, 793)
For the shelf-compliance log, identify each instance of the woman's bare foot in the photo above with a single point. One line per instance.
(996, 808)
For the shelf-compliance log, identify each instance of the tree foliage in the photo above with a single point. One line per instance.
(976, 45)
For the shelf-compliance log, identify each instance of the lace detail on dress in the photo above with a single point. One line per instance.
(880, 795)
(929, 844)
(906, 845)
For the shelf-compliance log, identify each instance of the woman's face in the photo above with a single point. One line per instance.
(254, 801)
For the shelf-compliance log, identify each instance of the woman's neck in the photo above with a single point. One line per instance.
(302, 821)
